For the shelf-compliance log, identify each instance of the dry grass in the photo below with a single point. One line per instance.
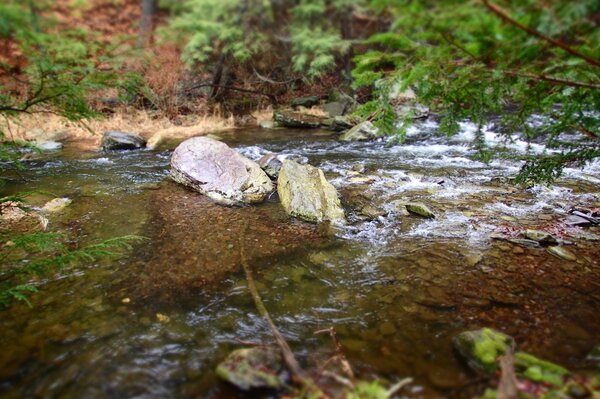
(313, 111)
(265, 114)
(87, 134)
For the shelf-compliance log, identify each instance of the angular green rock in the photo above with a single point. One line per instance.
(306, 194)
(252, 368)
(420, 209)
(481, 348)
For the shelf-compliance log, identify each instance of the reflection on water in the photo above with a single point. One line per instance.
(396, 287)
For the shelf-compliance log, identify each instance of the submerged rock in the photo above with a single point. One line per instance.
(361, 132)
(420, 209)
(217, 171)
(56, 205)
(306, 194)
(17, 218)
(562, 252)
(252, 368)
(268, 124)
(294, 119)
(49, 146)
(481, 348)
(112, 141)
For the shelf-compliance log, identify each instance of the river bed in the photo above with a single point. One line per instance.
(396, 287)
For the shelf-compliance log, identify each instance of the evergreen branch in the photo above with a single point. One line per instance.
(533, 32)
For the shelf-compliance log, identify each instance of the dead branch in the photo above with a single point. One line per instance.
(296, 372)
(346, 368)
(507, 387)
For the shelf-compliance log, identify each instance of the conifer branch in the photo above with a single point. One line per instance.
(507, 18)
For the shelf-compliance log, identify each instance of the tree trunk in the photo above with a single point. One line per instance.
(147, 20)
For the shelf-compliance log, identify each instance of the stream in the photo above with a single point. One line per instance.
(396, 287)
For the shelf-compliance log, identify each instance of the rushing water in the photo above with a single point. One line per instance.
(397, 288)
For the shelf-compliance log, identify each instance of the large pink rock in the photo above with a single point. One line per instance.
(217, 171)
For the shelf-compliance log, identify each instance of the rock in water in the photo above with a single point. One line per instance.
(481, 348)
(112, 141)
(420, 209)
(306, 194)
(215, 170)
(562, 253)
(252, 368)
(540, 236)
(270, 164)
(361, 132)
(56, 205)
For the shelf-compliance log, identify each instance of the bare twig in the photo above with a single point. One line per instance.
(507, 387)
(297, 374)
(346, 368)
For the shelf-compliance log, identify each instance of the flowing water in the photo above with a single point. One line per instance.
(396, 287)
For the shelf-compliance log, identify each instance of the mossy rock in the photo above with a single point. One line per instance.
(420, 209)
(481, 348)
(251, 368)
(538, 370)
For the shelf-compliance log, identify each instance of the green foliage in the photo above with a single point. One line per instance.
(368, 390)
(467, 61)
(254, 31)
(59, 70)
(56, 72)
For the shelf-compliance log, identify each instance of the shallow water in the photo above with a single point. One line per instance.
(396, 287)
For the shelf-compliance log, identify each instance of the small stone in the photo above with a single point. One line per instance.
(163, 318)
(125, 300)
(372, 213)
(49, 146)
(122, 141)
(252, 368)
(56, 205)
(420, 209)
(267, 124)
(540, 236)
(562, 252)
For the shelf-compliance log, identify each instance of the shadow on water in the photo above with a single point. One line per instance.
(396, 287)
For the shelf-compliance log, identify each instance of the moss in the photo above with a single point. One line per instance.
(482, 347)
(538, 370)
